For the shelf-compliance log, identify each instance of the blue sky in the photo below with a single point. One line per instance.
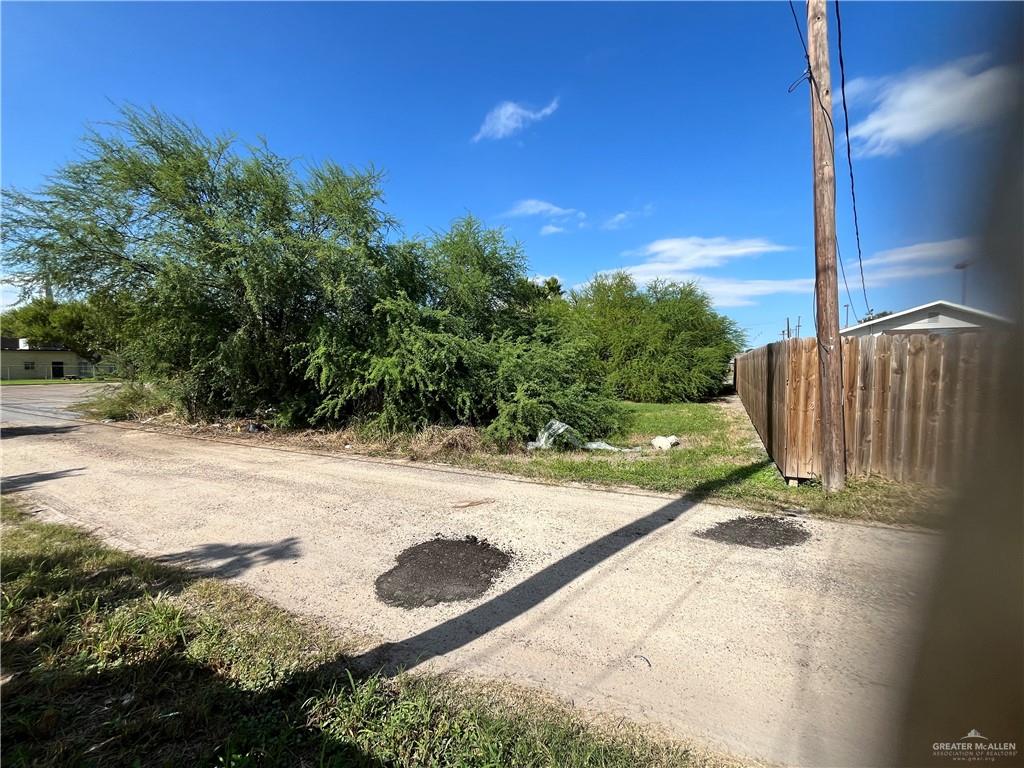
(658, 138)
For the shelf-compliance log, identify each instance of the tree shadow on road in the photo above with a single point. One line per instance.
(231, 560)
(34, 430)
(22, 482)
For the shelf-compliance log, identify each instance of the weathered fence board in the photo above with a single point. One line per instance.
(912, 403)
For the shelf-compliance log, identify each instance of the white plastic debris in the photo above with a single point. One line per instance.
(663, 443)
(556, 434)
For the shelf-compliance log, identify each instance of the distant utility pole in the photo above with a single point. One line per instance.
(830, 354)
(846, 322)
(798, 326)
(788, 334)
(962, 266)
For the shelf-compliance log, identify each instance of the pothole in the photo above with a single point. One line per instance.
(758, 531)
(441, 571)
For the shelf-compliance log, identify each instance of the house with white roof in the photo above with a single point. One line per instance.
(934, 317)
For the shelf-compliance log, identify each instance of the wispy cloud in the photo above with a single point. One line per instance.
(675, 255)
(916, 105)
(729, 292)
(677, 259)
(534, 207)
(916, 261)
(945, 251)
(623, 218)
(509, 118)
(559, 219)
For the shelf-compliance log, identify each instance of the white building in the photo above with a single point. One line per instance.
(935, 317)
(20, 360)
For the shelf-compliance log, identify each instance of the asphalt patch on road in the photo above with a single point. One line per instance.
(441, 571)
(758, 531)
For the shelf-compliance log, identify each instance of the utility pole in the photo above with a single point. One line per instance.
(788, 334)
(798, 326)
(830, 354)
(846, 323)
(962, 266)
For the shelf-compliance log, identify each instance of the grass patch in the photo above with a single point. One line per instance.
(117, 660)
(720, 458)
(130, 401)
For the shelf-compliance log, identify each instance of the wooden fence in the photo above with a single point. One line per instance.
(913, 403)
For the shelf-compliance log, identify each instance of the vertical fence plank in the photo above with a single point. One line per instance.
(881, 383)
(778, 376)
(794, 414)
(946, 452)
(865, 433)
(897, 405)
(810, 432)
(912, 420)
(851, 411)
(925, 470)
(971, 406)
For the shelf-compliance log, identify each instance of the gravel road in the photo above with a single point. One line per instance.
(794, 655)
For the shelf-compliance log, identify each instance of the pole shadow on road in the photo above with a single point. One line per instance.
(450, 635)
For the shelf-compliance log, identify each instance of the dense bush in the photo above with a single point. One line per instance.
(241, 287)
(225, 281)
(662, 344)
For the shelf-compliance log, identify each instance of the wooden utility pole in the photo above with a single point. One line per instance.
(788, 334)
(826, 286)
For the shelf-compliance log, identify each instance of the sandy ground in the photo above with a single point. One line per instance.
(795, 655)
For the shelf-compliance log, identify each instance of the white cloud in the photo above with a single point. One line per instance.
(616, 221)
(680, 254)
(728, 292)
(621, 219)
(509, 118)
(676, 259)
(551, 229)
(915, 261)
(541, 208)
(914, 106)
(944, 251)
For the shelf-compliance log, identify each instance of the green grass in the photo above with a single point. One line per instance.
(119, 661)
(721, 459)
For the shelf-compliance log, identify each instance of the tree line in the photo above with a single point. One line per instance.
(239, 285)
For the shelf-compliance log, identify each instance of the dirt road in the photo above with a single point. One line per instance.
(794, 655)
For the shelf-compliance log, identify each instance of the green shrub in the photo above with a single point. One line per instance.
(662, 344)
(240, 288)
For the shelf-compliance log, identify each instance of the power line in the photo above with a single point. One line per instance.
(842, 268)
(849, 156)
